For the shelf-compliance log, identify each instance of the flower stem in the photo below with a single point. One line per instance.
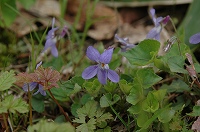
(61, 109)
(177, 36)
(30, 107)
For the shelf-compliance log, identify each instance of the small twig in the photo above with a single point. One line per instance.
(166, 80)
(61, 109)
(5, 122)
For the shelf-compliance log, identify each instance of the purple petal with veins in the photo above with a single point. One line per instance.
(113, 76)
(102, 76)
(54, 51)
(90, 72)
(106, 56)
(92, 54)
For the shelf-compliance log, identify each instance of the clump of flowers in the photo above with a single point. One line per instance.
(125, 44)
(44, 78)
(53, 36)
(159, 23)
(101, 69)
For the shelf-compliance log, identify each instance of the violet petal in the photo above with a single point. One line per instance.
(106, 56)
(113, 76)
(54, 51)
(92, 54)
(152, 12)
(123, 41)
(49, 44)
(154, 32)
(90, 72)
(195, 39)
(51, 34)
(64, 31)
(166, 19)
(43, 92)
(40, 90)
(53, 22)
(31, 86)
(102, 76)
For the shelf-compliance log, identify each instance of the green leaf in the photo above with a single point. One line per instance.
(176, 50)
(45, 126)
(167, 115)
(67, 88)
(107, 129)
(55, 62)
(135, 109)
(147, 77)
(145, 122)
(110, 86)
(126, 77)
(160, 94)
(12, 105)
(136, 94)
(176, 86)
(191, 21)
(114, 64)
(107, 99)
(7, 10)
(92, 87)
(87, 127)
(85, 98)
(78, 103)
(102, 117)
(74, 108)
(60, 119)
(175, 58)
(142, 118)
(90, 116)
(195, 112)
(161, 64)
(89, 109)
(60, 93)
(176, 64)
(150, 104)
(144, 53)
(6, 80)
(124, 86)
(37, 104)
(197, 67)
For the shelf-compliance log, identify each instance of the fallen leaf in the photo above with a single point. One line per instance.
(196, 124)
(107, 19)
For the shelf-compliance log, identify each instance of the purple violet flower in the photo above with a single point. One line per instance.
(125, 45)
(159, 22)
(101, 69)
(195, 39)
(31, 86)
(53, 37)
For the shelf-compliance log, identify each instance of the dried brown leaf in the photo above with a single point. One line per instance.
(26, 77)
(47, 77)
(47, 74)
(196, 124)
(189, 57)
(106, 19)
(191, 72)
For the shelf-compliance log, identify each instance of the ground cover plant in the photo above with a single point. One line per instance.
(72, 84)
